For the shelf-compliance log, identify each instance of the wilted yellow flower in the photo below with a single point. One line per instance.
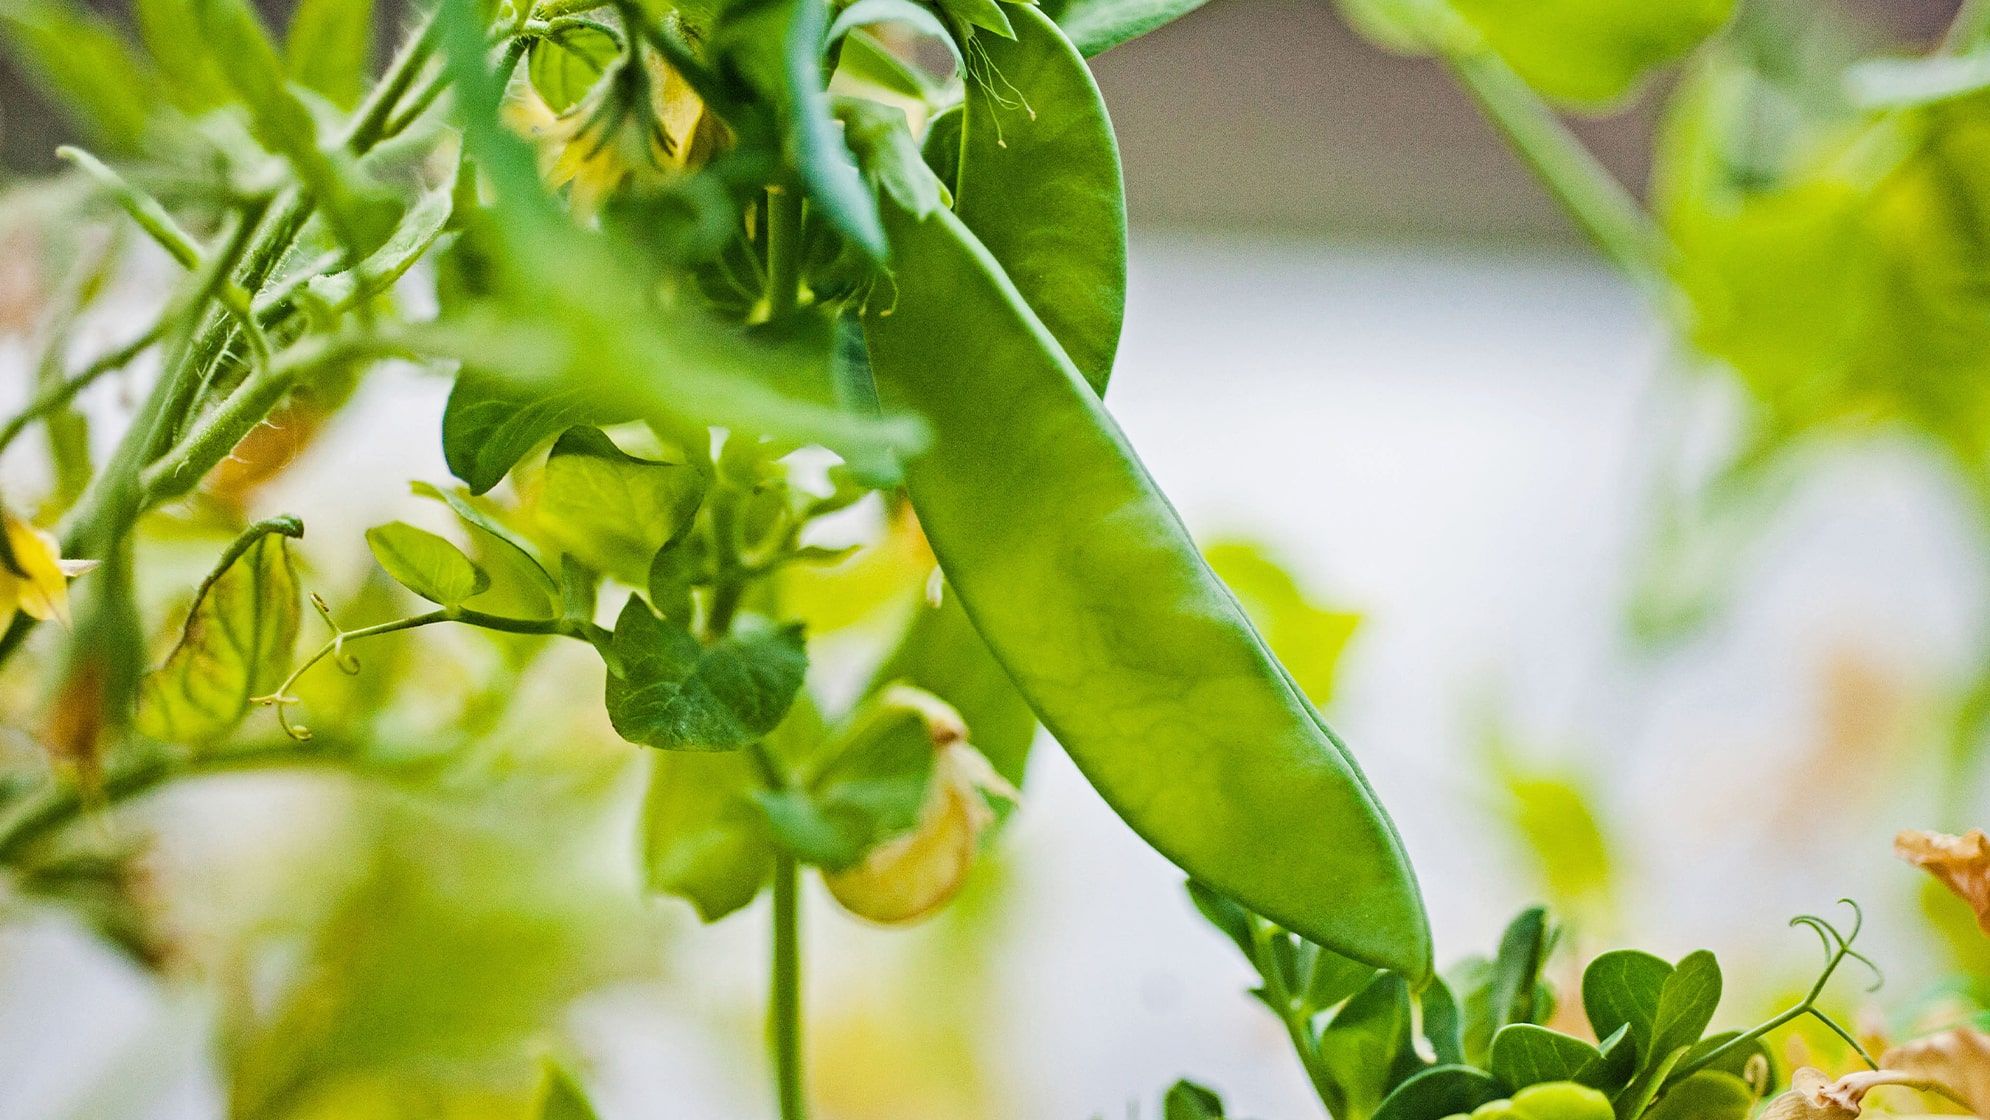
(1962, 863)
(637, 125)
(1813, 1095)
(34, 578)
(1955, 1063)
(912, 875)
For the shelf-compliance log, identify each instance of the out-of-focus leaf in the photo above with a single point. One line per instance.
(1580, 52)
(526, 558)
(463, 935)
(612, 510)
(236, 644)
(191, 74)
(870, 787)
(666, 690)
(1307, 636)
(942, 653)
(329, 47)
(1188, 1101)
(568, 61)
(565, 1099)
(426, 564)
(705, 839)
(882, 142)
(1707, 1095)
(96, 78)
(1905, 83)
(984, 14)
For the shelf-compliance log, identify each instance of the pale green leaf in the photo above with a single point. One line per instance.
(426, 564)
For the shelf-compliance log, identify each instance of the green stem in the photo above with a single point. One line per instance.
(1593, 197)
(1265, 958)
(63, 806)
(784, 1005)
(784, 251)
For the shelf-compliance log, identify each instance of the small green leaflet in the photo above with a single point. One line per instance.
(236, 644)
(869, 789)
(1622, 988)
(1686, 1003)
(490, 423)
(1707, 1095)
(1439, 1091)
(666, 690)
(612, 510)
(1189, 1101)
(705, 839)
(426, 564)
(569, 59)
(329, 47)
(1524, 1054)
(1097, 26)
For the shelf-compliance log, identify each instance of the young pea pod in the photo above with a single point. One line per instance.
(1090, 593)
(1060, 237)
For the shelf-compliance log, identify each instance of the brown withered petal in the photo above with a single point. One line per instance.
(1812, 1097)
(1955, 1062)
(1961, 863)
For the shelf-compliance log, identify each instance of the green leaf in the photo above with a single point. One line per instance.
(191, 74)
(1362, 1048)
(666, 690)
(1233, 920)
(777, 47)
(1686, 1003)
(513, 545)
(1439, 1091)
(565, 1099)
(80, 59)
(491, 422)
(868, 788)
(1905, 83)
(426, 564)
(1097, 26)
(1707, 1095)
(330, 48)
(236, 644)
(1583, 53)
(1091, 594)
(567, 62)
(987, 15)
(941, 653)
(1060, 238)
(1622, 988)
(1616, 1062)
(1636, 1097)
(1443, 1023)
(704, 838)
(1735, 1062)
(889, 157)
(1188, 1101)
(1524, 1054)
(613, 510)
(1523, 951)
(905, 13)
(1331, 978)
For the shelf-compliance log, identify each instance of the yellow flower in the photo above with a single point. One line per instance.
(637, 125)
(910, 876)
(34, 578)
(1961, 863)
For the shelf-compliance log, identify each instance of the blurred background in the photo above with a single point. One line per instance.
(1361, 337)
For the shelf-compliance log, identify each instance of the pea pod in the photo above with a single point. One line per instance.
(1090, 593)
(1060, 237)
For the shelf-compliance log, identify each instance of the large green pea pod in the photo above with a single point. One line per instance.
(1076, 570)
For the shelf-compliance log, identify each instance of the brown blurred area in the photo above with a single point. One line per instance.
(1266, 115)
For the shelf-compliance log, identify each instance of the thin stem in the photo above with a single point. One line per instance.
(1265, 958)
(784, 251)
(1593, 197)
(57, 395)
(784, 1004)
(1838, 949)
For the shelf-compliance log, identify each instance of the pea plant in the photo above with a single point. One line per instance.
(714, 282)
(707, 277)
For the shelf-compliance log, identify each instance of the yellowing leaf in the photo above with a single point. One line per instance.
(236, 645)
(33, 576)
(426, 564)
